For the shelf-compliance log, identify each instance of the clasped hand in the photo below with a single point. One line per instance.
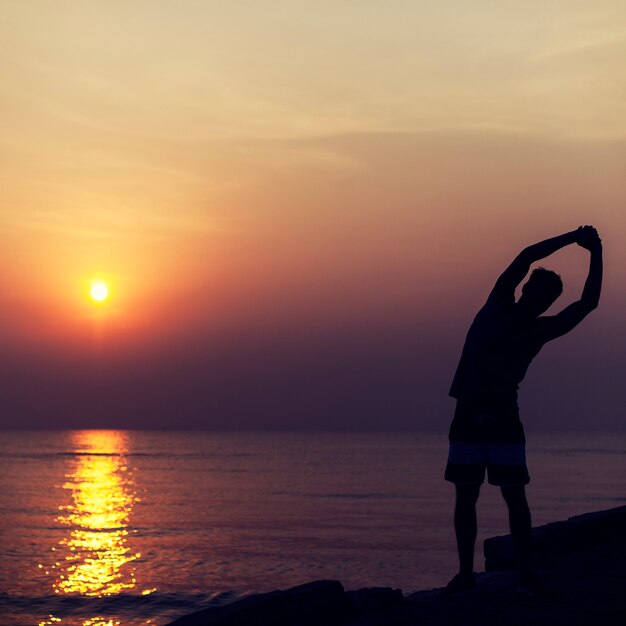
(587, 237)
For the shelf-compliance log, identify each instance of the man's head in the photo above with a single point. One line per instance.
(540, 291)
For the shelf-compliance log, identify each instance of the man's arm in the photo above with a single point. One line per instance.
(514, 273)
(571, 316)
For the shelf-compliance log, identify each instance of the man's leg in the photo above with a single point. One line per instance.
(466, 469)
(465, 526)
(520, 523)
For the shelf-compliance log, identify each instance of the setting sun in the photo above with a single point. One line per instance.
(99, 291)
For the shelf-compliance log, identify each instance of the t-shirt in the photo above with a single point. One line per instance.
(499, 347)
(500, 344)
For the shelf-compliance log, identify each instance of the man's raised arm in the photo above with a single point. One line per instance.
(572, 315)
(514, 273)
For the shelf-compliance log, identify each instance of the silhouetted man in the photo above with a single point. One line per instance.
(486, 431)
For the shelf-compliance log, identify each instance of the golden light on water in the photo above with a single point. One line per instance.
(93, 621)
(96, 557)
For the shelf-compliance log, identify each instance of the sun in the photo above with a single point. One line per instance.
(99, 291)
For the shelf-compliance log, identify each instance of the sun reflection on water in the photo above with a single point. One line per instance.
(95, 558)
(95, 621)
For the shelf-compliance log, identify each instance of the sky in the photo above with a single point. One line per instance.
(298, 208)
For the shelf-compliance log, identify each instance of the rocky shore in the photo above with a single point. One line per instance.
(582, 562)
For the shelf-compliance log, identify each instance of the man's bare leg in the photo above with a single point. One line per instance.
(521, 533)
(520, 523)
(465, 527)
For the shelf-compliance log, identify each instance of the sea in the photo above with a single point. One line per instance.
(128, 528)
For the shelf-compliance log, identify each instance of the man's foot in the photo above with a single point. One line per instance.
(459, 584)
(530, 585)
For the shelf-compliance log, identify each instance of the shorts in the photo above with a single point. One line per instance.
(505, 463)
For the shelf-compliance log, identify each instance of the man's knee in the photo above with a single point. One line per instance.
(515, 496)
(466, 495)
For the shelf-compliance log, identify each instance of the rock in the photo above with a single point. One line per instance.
(311, 604)
(552, 541)
(375, 598)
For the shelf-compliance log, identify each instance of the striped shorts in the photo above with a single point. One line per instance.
(505, 463)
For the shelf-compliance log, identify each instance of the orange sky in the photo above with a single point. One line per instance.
(298, 187)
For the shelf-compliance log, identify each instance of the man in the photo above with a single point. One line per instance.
(486, 432)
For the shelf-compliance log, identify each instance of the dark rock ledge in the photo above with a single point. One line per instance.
(582, 562)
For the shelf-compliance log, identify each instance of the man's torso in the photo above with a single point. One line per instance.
(499, 347)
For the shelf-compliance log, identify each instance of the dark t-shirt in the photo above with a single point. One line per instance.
(499, 347)
(501, 342)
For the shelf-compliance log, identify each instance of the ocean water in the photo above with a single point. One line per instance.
(127, 528)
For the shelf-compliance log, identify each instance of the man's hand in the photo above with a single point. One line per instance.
(587, 237)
